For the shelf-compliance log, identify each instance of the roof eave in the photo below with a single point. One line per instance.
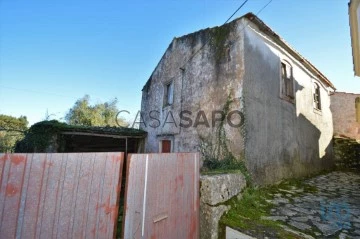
(268, 31)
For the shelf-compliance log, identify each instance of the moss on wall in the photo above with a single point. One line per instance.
(215, 150)
(40, 137)
(218, 41)
(347, 153)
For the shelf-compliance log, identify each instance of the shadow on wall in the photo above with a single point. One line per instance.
(281, 142)
(295, 159)
(313, 160)
(309, 160)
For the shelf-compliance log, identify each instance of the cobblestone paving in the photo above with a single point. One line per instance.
(332, 211)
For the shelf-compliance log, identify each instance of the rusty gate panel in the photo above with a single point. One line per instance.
(73, 195)
(162, 196)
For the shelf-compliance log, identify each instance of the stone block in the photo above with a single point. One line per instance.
(220, 188)
(233, 234)
(209, 220)
(215, 191)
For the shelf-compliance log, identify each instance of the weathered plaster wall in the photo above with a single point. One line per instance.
(282, 139)
(279, 139)
(204, 84)
(344, 114)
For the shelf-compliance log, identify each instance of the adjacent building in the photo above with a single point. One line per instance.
(345, 108)
(354, 16)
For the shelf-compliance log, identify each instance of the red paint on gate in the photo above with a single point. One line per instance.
(192, 230)
(17, 159)
(3, 157)
(56, 195)
(11, 190)
(116, 158)
(110, 209)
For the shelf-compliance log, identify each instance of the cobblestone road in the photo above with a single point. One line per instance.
(331, 211)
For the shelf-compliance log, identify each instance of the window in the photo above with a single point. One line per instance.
(316, 95)
(169, 93)
(287, 81)
(357, 108)
(165, 146)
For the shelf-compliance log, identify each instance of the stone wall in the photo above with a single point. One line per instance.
(343, 107)
(278, 140)
(347, 153)
(203, 84)
(215, 191)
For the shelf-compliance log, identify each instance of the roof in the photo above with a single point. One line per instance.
(276, 38)
(346, 93)
(59, 127)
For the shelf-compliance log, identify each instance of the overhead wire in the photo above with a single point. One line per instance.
(183, 66)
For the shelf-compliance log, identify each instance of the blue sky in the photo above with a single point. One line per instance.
(54, 52)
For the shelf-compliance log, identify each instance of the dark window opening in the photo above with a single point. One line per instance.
(169, 94)
(317, 99)
(287, 84)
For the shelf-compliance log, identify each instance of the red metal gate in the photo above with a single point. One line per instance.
(162, 196)
(59, 195)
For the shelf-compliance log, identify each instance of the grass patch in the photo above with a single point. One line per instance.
(221, 171)
(291, 184)
(249, 213)
(249, 209)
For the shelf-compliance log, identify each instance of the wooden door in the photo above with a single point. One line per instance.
(165, 146)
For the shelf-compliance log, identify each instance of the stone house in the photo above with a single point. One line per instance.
(345, 108)
(240, 90)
